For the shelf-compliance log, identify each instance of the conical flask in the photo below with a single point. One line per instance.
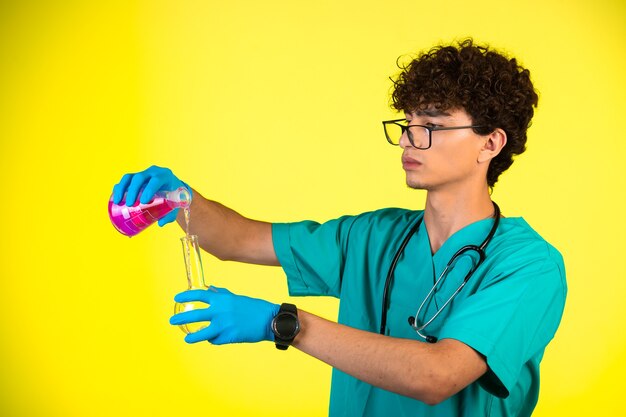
(131, 220)
(195, 280)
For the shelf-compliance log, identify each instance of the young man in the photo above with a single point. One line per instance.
(443, 312)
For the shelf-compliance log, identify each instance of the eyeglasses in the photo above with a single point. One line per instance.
(420, 136)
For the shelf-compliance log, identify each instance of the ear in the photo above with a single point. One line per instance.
(492, 146)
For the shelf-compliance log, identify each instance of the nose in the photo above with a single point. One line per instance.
(404, 140)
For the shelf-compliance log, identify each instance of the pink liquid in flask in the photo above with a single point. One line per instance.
(131, 220)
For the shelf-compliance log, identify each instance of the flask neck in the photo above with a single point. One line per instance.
(180, 197)
(193, 262)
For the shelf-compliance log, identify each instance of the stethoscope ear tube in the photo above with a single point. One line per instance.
(392, 268)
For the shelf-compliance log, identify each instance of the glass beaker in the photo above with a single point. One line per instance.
(131, 220)
(195, 280)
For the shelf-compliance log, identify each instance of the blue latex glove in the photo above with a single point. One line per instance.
(151, 180)
(234, 318)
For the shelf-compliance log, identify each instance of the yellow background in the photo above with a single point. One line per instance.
(273, 108)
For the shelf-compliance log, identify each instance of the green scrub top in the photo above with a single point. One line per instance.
(508, 311)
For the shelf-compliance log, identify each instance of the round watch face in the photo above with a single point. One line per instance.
(286, 325)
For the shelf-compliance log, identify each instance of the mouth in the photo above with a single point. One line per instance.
(410, 163)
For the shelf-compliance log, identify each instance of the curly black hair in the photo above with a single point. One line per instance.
(494, 90)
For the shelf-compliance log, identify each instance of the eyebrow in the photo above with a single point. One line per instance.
(430, 112)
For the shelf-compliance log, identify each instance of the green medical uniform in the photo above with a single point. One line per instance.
(508, 311)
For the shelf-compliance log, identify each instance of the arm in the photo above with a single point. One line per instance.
(221, 231)
(227, 234)
(427, 372)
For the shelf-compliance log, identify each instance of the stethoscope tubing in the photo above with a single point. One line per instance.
(479, 249)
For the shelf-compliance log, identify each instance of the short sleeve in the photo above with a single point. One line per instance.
(312, 254)
(512, 316)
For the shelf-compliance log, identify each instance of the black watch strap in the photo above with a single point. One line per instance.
(285, 325)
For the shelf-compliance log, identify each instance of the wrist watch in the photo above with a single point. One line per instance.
(285, 325)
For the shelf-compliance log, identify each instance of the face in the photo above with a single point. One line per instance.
(452, 159)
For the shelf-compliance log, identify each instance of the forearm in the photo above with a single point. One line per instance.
(228, 235)
(424, 371)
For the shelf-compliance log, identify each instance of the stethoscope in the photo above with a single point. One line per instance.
(413, 319)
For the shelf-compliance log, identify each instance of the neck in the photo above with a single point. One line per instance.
(447, 213)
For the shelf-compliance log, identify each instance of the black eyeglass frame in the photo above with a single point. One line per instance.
(431, 129)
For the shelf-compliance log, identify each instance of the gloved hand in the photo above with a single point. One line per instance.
(234, 318)
(152, 179)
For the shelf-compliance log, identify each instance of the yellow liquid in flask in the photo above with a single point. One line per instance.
(195, 279)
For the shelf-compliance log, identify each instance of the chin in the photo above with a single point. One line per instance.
(416, 185)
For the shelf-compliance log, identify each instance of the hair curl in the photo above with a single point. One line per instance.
(494, 90)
